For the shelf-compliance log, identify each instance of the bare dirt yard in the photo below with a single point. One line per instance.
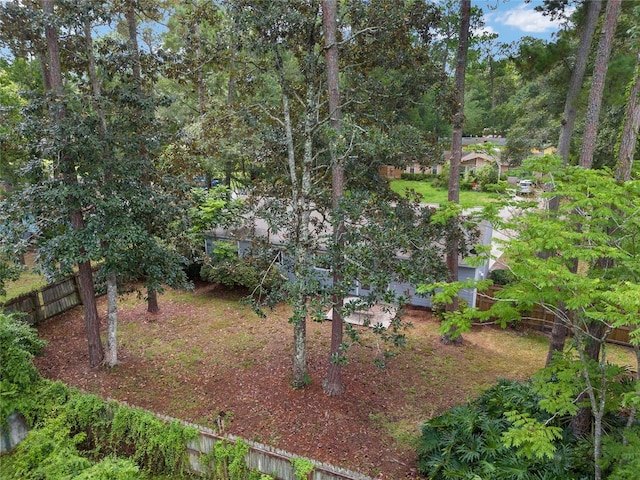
(209, 359)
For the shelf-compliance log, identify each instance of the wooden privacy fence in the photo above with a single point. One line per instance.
(263, 458)
(541, 319)
(46, 302)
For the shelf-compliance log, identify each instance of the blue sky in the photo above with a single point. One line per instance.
(514, 19)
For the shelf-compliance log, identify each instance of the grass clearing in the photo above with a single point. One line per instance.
(433, 195)
(29, 280)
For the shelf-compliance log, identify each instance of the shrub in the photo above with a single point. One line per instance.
(19, 343)
(500, 187)
(466, 184)
(49, 452)
(243, 273)
(620, 457)
(157, 445)
(111, 468)
(52, 451)
(441, 180)
(486, 175)
(417, 177)
(255, 272)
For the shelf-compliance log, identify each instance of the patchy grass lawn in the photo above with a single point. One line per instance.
(209, 359)
(29, 280)
(431, 194)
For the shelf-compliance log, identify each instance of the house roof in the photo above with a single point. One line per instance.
(475, 155)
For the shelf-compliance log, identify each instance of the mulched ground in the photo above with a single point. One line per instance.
(226, 366)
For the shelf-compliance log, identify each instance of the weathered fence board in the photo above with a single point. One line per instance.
(263, 458)
(60, 296)
(29, 304)
(541, 319)
(51, 300)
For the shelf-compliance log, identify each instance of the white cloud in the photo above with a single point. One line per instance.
(486, 30)
(525, 18)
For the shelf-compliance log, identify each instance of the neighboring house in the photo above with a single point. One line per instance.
(473, 161)
(470, 162)
(243, 239)
(548, 149)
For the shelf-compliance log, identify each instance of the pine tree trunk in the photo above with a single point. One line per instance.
(577, 77)
(597, 83)
(91, 318)
(559, 333)
(629, 137)
(111, 354)
(333, 383)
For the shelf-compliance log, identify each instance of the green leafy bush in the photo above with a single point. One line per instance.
(255, 272)
(620, 457)
(486, 175)
(52, 451)
(499, 187)
(19, 343)
(302, 467)
(441, 180)
(111, 468)
(49, 452)
(417, 177)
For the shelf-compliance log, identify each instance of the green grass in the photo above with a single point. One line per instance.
(27, 282)
(431, 194)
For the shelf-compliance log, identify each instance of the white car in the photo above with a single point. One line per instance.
(525, 187)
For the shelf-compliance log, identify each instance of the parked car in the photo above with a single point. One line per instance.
(525, 187)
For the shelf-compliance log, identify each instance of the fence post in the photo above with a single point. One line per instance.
(39, 313)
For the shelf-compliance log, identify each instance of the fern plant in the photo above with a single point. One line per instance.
(467, 441)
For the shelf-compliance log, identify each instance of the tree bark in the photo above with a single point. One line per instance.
(597, 82)
(132, 26)
(152, 300)
(629, 138)
(631, 419)
(300, 374)
(456, 153)
(111, 353)
(85, 274)
(333, 383)
(558, 335)
(577, 77)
